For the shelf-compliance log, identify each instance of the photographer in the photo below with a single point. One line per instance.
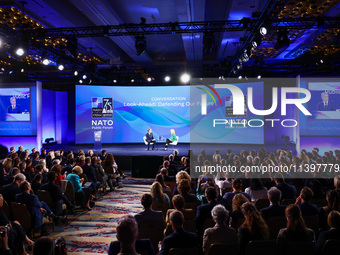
(4, 248)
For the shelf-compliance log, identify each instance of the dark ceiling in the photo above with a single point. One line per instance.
(303, 38)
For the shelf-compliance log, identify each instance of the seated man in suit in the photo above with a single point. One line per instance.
(88, 170)
(13, 108)
(150, 139)
(127, 232)
(306, 207)
(204, 211)
(274, 209)
(148, 214)
(228, 197)
(180, 238)
(57, 196)
(9, 191)
(287, 191)
(37, 209)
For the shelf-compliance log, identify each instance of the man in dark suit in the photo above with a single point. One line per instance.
(9, 191)
(37, 209)
(204, 211)
(287, 191)
(274, 209)
(13, 108)
(149, 139)
(306, 207)
(57, 196)
(148, 214)
(68, 168)
(326, 104)
(180, 238)
(91, 175)
(228, 197)
(20, 150)
(333, 233)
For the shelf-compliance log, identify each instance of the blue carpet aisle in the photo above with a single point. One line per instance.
(91, 232)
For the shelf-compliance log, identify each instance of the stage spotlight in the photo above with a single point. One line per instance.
(321, 61)
(132, 80)
(239, 67)
(259, 77)
(167, 78)
(149, 79)
(20, 51)
(61, 67)
(114, 81)
(185, 78)
(140, 44)
(22, 70)
(84, 77)
(263, 31)
(75, 73)
(80, 81)
(257, 41)
(240, 77)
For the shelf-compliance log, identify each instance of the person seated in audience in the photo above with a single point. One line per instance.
(307, 208)
(12, 173)
(159, 178)
(81, 160)
(4, 246)
(337, 183)
(180, 238)
(36, 183)
(44, 246)
(37, 209)
(204, 211)
(171, 168)
(41, 169)
(164, 172)
(253, 228)
(224, 181)
(58, 177)
(172, 162)
(57, 196)
(180, 176)
(148, 214)
(184, 190)
(295, 231)
(177, 158)
(274, 209)
(333, 204)
(256, 190)
(333, 220)
(202, 185)
(88, 170)
(68, 169)
(228, 197)
(82, 194)
(221, 233)
(157, 194)
(287, 191)
(237, 217)
(111, 169)
(179, 204)
(97, 166)
(127, 232)
(16, 234)
(22, 168)
(9, 191)
(186, 165)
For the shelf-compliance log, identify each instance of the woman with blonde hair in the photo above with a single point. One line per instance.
(157, 194)
(253, 228)
(236, 216)
(159, 178)
(182, 175)
(172, 138)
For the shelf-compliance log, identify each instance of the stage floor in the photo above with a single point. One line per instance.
(141, 149)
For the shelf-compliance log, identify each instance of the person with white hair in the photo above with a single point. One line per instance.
(221, 233)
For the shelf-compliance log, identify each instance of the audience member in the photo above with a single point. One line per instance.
(184, 190)
(160, 179)
(157, 194)
(295, 231)
(221, 233)
(148, 214)
(44, 246)
(237, 217)
(9, 191)
(274, 209)
(253, 228)
(127, 232)
(287, 191)
(334, 233)
(228, 197)
(180, 238)
(306, 207)
(256, 190)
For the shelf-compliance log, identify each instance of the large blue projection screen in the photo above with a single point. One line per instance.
(124, 114)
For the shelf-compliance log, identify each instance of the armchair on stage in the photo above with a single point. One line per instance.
(146, 143)
(174, 143)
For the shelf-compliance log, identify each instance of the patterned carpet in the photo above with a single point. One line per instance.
(91, 232)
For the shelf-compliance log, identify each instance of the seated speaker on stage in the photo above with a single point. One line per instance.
(150, 139)
(172, 138)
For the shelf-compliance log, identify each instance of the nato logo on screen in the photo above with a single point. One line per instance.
(102, 107)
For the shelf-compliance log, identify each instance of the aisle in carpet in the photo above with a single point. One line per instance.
(91, 232)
